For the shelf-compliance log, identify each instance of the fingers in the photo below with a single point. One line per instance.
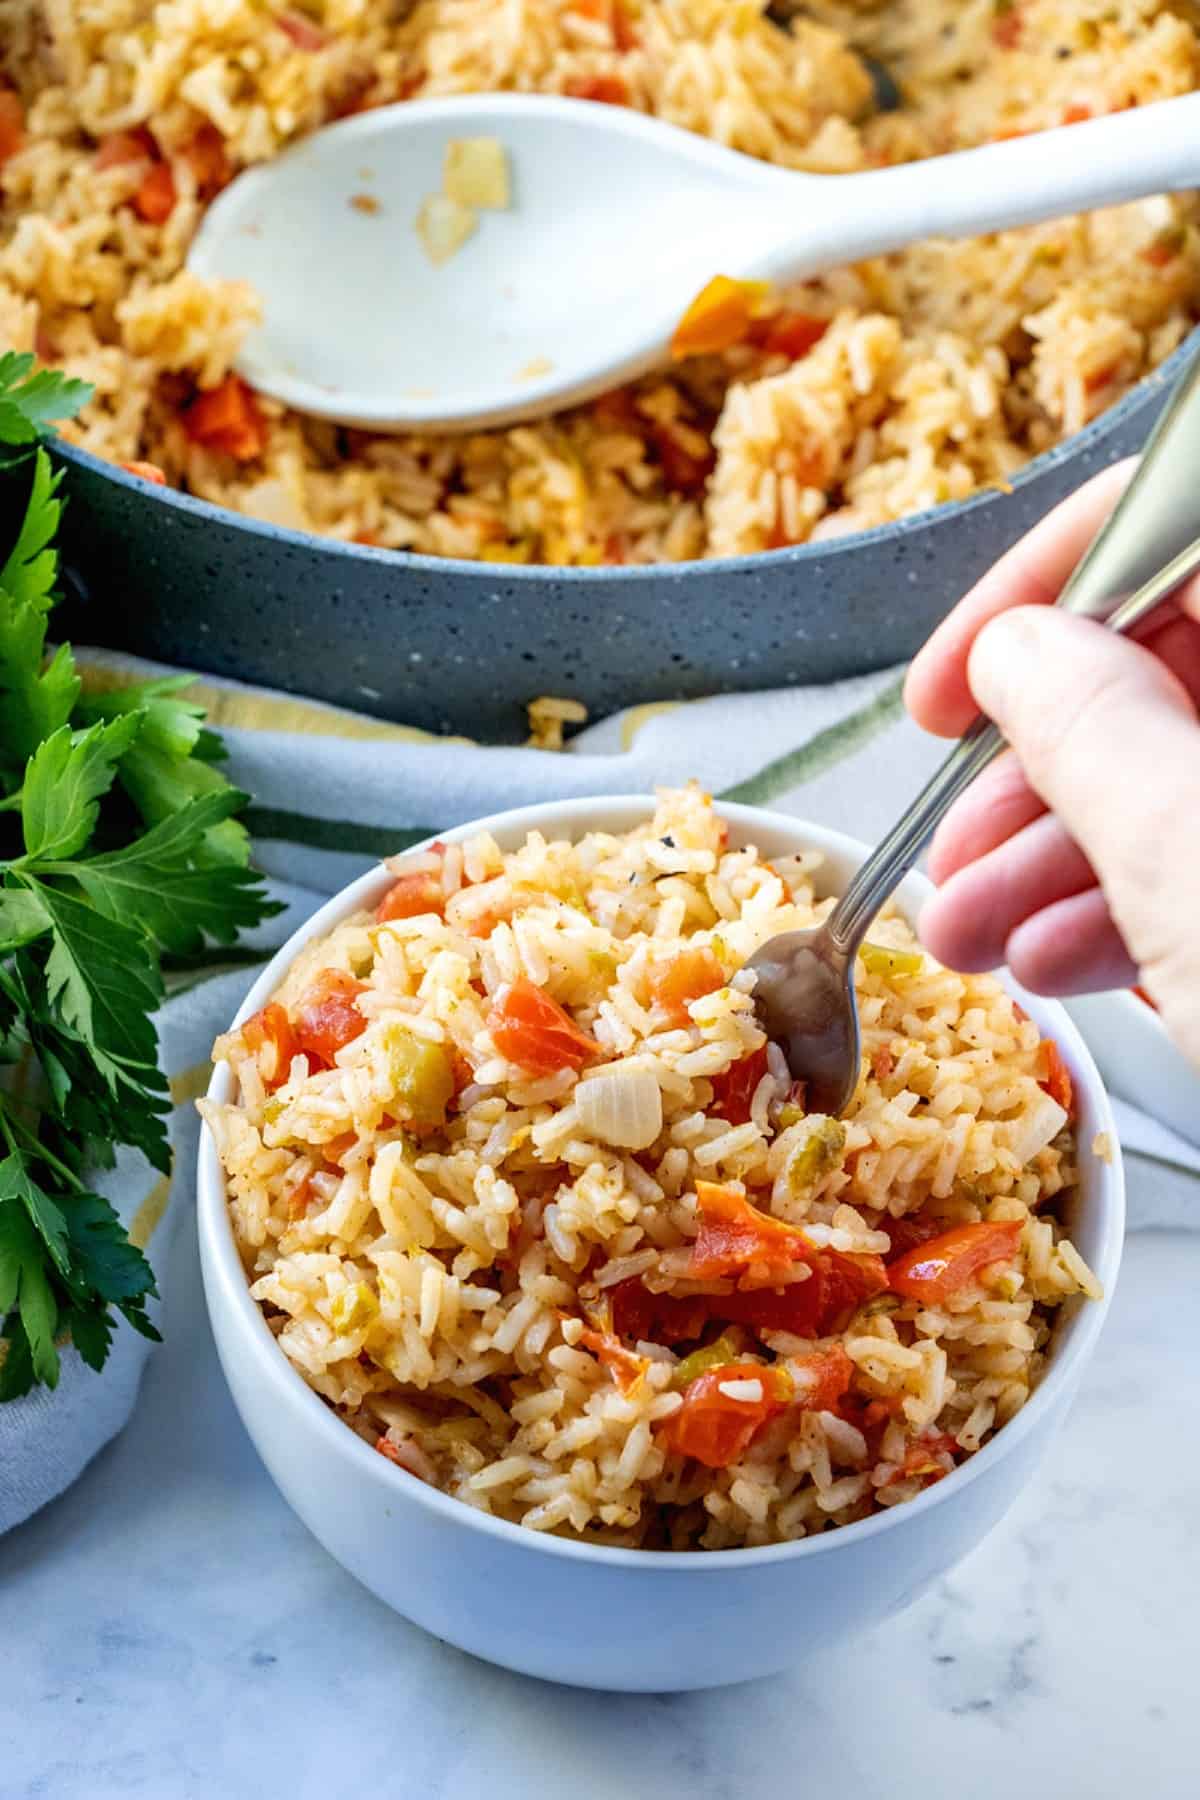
(1108, 738)
(969, 922)
(1072, 947)
(1175, 640)
(995, 807)
(1032, 573)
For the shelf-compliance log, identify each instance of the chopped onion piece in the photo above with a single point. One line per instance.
(275, 502)
(620, 1106)
(741, 1390)
(443, 227)
(476, 173)
(1039, 1127)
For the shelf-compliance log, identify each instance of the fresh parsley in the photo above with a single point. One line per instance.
(119, 846)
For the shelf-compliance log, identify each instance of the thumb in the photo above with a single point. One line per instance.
(1108, 738)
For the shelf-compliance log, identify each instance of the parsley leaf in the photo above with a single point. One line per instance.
(22, 918)
(104, 1256)
(25, 1289)
(103, 978)
(31, 399)
(169, 724)
(119, 844)
(28, 574)
(156, 883)
(16, 1183)
(67, 776)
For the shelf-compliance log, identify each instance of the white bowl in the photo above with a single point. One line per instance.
(1138, 1060)
(634, 1620)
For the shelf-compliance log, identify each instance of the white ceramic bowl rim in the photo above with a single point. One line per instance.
(622, 811)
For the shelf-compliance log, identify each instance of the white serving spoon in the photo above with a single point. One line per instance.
(616, 222)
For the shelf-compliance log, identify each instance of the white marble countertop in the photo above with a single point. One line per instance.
(170, 1630)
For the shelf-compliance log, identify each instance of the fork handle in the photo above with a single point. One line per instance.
(1148, 548)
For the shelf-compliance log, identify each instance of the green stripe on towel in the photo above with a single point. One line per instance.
(822, 752)
(331, 834)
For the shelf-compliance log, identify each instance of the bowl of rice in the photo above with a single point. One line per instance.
(561, 1321)
(800, 505)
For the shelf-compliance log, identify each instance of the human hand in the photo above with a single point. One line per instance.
(1075, 857)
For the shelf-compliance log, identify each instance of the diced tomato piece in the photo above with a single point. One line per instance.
(271, 1041)
(1056, 1080)
(944, 1265)
(789, 334)
(208, 160)
(1163, 249)
(484, 923)
(298, 1199)
(609, 90)
(12, 124)
(823, 1380)
(625, 36)
(338, 1148)
(155, 199)
(928, 1456)
(327, 1017)
(531, 1029)
(1006, 26)
(871, 1417)
(615, 15)
(227, 418)
(688, 977)
(909, 1232)
(734, 1088)
(615, 411)
(836, 1287)
(145, 471)
(411, 896)
(656, 1318)
(685, 466)
(126, 147)
(717, 1428)
(734, 1236)
(882, 1062)
(722, 314)
(301, 30)
(1100, 378)
(1076, 115)
(626, 1368)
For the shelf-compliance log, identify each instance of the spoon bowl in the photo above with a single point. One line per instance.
(616, 221)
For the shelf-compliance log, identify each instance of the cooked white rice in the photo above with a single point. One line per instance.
(940, 370)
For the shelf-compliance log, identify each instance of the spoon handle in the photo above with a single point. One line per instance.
(1124, 156)
(1123, 576)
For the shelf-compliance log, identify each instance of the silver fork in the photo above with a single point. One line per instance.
(804, 993)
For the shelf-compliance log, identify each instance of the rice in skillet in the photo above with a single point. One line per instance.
(875, 392)
(527, 1199)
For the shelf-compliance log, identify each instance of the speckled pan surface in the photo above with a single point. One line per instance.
(459, 647)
